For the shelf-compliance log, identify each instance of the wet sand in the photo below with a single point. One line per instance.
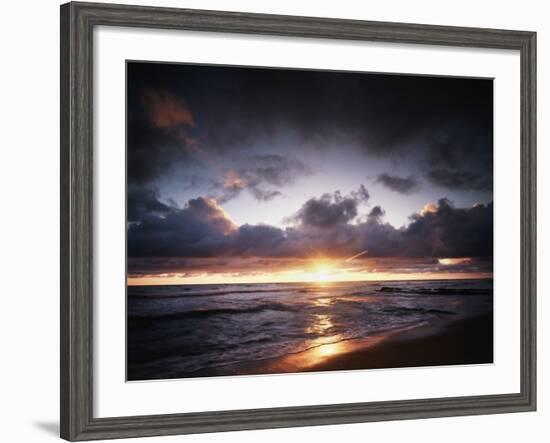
(468, 341)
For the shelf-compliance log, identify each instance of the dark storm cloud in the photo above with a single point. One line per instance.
(451, 232)
(199, 229)
(444, 231)
(330, 210)
(259, 174)
(460, 179)
(322, 226)
(256, 240)
(461, 157)
(434, 122)
(160, 136)
(376, 212)
(143, 202)
(324, 212)
(403, 185)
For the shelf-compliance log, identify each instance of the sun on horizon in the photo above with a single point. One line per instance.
(319, 271)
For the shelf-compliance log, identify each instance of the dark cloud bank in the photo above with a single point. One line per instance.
(446, 123)
(330, 225)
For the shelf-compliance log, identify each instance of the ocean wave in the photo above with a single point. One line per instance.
(400, 310)
(201, 313)
(434, 291)
(157, 295)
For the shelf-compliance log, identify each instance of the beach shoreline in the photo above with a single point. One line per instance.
(441, 343)
(461, 342)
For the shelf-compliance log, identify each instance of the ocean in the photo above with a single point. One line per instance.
(181, 331)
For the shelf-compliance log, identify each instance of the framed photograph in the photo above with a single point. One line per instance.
(272, 221)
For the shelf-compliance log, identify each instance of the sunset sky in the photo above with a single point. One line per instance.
(265, 175)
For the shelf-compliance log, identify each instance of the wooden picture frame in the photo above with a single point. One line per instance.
(77, 23)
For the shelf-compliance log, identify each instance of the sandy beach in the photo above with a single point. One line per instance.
(468, 341)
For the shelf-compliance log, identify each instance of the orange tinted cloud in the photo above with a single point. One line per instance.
(233, 180)
(167, 111)
(429, 208)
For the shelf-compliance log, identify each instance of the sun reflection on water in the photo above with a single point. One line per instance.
(324, 342)
(322, 302)
(326, 350)
(321, 324)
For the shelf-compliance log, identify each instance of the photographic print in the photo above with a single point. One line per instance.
(285, 220)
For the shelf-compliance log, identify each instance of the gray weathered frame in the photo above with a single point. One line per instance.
(77, 23)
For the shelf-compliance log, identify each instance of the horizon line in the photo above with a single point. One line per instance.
(484, 276)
